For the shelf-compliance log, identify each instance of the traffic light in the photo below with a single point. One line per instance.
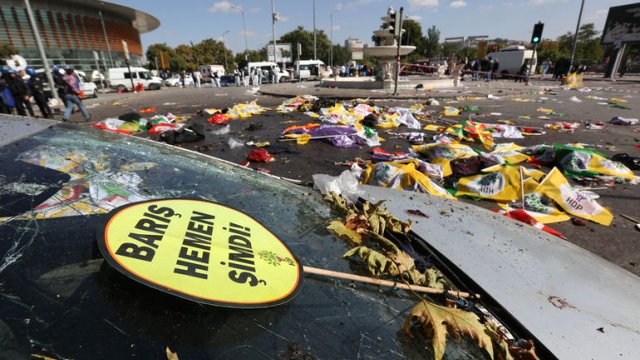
(392, 21)
(396, 22)
(536, 37)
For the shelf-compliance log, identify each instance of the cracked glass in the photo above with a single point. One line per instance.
(59, 298)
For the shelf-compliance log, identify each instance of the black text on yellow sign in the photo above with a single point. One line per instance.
(201, 251)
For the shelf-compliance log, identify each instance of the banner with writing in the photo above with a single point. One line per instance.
(201, 251)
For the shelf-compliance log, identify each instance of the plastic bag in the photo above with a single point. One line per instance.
(234, 143)
(345, 184)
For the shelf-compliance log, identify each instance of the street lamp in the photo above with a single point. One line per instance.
(224, 50)
(331, 32)
(315, 57)
(43, 55)
(106, 37)
(575, 39)
(244, 27)
(274, 18)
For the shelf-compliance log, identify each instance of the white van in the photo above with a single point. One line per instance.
(308, 69)
(281, 75)
(120, 78)
(511, 59)
(207, 71)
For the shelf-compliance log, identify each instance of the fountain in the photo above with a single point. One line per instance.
(385, 52)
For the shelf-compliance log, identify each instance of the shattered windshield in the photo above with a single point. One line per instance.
(60, 299)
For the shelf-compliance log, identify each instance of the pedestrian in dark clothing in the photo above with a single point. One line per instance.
(485, 67)
(20, 93)
(6, 98)
(494, 69)
(522, 74)
(71, 96)
(36, 85)
(625, 67)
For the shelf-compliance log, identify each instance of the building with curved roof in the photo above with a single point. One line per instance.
(84, 34)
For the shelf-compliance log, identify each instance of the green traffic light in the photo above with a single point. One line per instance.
(536, 39)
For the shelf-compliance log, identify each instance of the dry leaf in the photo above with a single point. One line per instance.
(526, 351)
(437, 321)
(171, 355)
(436, 279)
(377, 262)
(343, 232)
(357, 223)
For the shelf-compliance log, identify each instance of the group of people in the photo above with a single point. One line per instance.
(18, 87)
(483, 69)
(353, 70)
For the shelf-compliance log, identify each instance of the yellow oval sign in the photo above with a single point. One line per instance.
(202, 251)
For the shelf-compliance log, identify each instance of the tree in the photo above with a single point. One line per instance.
(251, 56)
(210, 51)
(588, 48)
(341, 55)
(452, 49)
(413, 36)
(432, 42)
(7, 50)
(305, 38)
(176, 62)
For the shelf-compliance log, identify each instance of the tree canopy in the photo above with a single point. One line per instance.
(305, 38)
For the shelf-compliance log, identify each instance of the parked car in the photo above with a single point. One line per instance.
(121, 78)
(89, 88)
(63, 184)
(176, 81)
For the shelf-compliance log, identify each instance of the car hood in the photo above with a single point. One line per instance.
(59, 181)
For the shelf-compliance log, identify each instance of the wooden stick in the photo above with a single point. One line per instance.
(629, 218)
(368, 280)
(317, 137)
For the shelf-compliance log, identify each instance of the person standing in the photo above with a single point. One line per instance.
(6, 98)
(236, 76)
(522, 74)
(216, 79)
(545, 67)
(36, 85)
(71, 96)
(197, 76)
(20, 93)
(494, 69)
(625, 67)
(245, 77)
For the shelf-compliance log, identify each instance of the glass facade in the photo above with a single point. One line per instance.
(71, 35)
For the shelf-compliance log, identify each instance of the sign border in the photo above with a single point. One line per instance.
(102, 239)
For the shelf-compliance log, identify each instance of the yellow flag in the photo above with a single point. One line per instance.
(572, 200)
(502, 185)
(303, 139)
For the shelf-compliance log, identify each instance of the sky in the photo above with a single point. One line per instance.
(195, 20)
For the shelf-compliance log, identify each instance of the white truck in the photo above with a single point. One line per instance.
(264, 66)
(120, 78)
(511, 59)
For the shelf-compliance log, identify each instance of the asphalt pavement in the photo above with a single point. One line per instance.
(498, 100)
